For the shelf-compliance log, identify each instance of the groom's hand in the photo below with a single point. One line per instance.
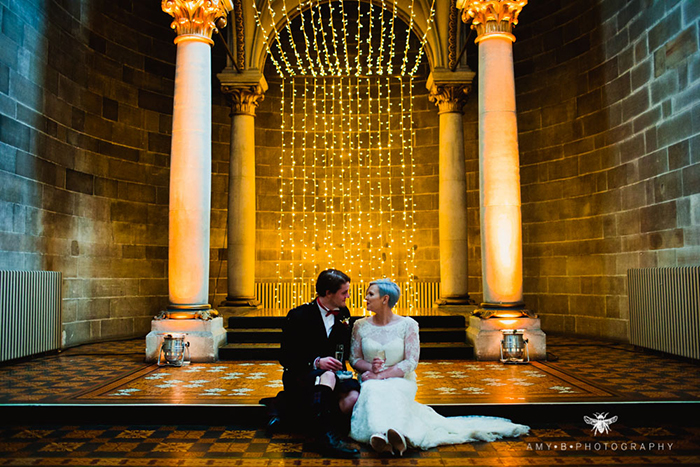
(330, 363)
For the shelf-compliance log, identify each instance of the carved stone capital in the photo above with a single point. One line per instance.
(449, 98)
(196, 18)
(490, 17)
(244, 100)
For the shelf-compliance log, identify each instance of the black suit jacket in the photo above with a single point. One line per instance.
(304, 338)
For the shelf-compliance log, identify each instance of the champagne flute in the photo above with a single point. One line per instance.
(340, 352)
(382, 355)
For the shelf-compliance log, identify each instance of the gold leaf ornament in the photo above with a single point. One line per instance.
(197, 17)
(502, 14)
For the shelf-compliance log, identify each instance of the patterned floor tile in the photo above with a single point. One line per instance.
(546, 445)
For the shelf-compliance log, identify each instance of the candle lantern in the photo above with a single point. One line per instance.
(174, 351)
(514, 347)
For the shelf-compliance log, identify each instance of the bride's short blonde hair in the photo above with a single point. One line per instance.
(387, 287)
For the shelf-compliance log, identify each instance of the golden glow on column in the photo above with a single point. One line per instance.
(190, 162)
(499, 164)
(190, 176)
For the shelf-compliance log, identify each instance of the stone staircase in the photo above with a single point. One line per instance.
(252, 338)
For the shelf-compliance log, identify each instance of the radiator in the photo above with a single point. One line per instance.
(30, 313)
(286, 295)
(664, 306)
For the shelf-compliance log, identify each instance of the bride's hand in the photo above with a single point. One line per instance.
(377, 365)
(369, 375)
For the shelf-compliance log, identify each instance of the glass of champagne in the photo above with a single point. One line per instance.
(382, 355)
(340, 352)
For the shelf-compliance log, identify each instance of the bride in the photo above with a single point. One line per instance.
(385, 349)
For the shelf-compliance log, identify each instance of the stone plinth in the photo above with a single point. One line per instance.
(485, 335)
(205, 337)
(464, 310)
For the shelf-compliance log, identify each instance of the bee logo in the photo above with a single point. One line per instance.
(600, 423)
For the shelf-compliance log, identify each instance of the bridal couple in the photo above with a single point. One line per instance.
(384, 350)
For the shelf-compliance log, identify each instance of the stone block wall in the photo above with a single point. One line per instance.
(85, 119)
(608, 96)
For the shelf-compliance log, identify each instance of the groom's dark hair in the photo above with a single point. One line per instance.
(330, 280)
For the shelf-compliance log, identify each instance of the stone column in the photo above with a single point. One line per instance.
(190, 186)
(499, 163)
(448, 91)
(245, 97)
(190, 161)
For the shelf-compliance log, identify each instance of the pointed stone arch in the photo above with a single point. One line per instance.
(256, 52)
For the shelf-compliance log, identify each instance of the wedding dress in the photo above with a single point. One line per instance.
(390, 403)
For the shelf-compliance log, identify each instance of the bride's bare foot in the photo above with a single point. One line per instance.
(379, 443)
(397, 441)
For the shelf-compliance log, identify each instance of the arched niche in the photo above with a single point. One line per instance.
(256, 52)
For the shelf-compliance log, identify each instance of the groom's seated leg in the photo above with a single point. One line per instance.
(277, 413)
(347, 401)
(328, 379)
(327, 414)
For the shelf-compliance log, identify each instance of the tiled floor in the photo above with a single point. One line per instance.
(581, 373)
(146, 445)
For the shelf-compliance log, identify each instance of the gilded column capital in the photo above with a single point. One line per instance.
(491, 17)
(244, 100)
(449, 98)
(196, 19)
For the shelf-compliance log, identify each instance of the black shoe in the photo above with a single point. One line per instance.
(336, 447)
(274, 425)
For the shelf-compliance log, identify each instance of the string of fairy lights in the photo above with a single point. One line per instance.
(347, 168)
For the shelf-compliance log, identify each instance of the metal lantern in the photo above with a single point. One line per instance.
(174, 351)
(514, 347)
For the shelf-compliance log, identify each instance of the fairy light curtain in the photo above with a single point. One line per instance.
(346, 163)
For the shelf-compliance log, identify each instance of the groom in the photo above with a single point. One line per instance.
(310, 338)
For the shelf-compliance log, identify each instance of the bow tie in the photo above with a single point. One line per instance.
(327, 310)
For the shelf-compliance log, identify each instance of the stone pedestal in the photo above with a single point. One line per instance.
(464, 310)
(485, 335)
(205, 337)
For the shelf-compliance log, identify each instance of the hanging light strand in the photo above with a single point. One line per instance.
(345, 37)
(404, 62)
(390, 60)
(424, 39)
(380, 56)
(300, 69)
(267, 39)
(411, 186)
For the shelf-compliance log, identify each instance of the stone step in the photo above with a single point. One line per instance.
(274, 335)
(248, 322)
(251, 351)
(255, 322)
(254, 335)
(446, 351)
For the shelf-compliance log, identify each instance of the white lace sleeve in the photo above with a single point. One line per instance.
(411, 348)
(356, 343)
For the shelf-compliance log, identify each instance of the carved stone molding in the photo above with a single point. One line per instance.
(449, 98)
(452, 36)
(196, 18)
(244, 100)
(491, 16)
(240, 33)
